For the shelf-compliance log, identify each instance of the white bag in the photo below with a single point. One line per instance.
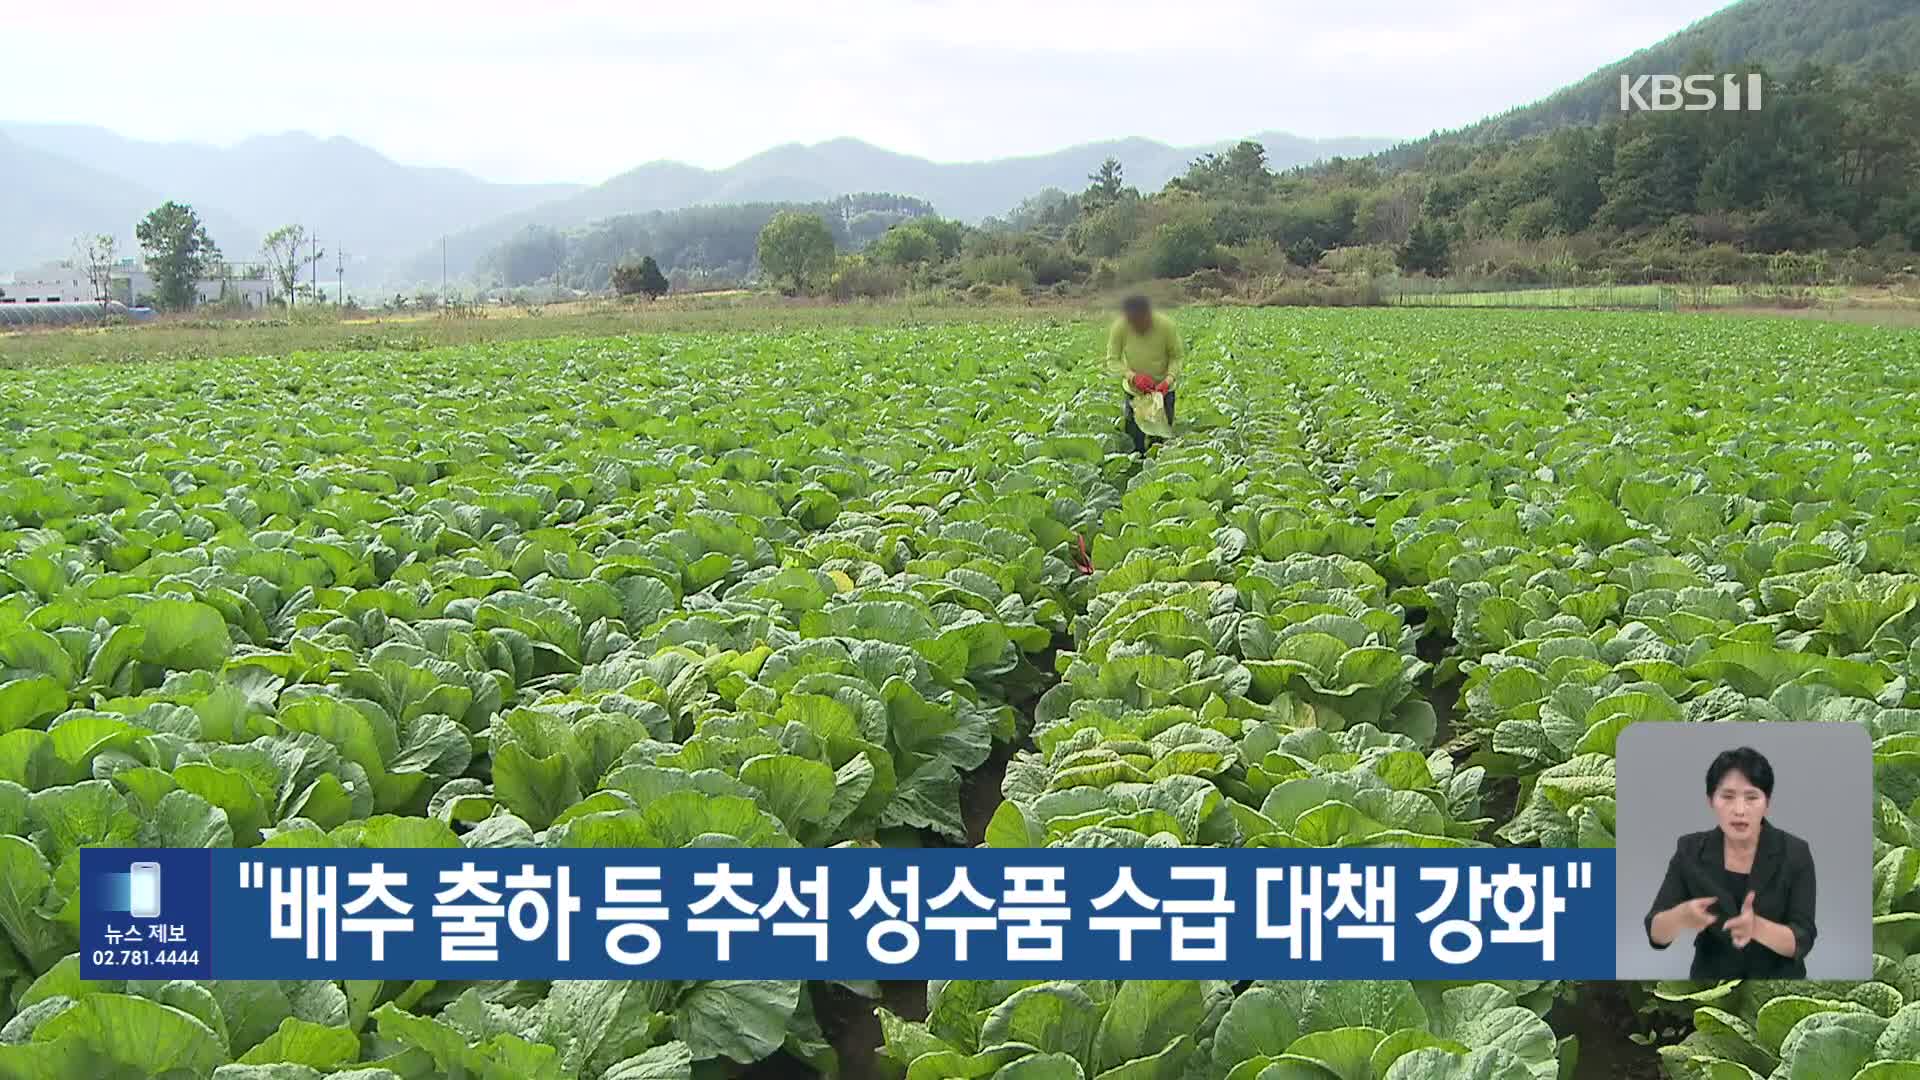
(1150, 415)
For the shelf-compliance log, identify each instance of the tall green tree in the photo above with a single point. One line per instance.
(1110, 230)
(178, 252)
(652, 282)
(1241, 172)
(906, 246)
(1047, 213)
(796, 248)
(947, 235)
(1104, 185)
(1579, 159)
(1182, 246)
(1246, 164)
(1425, 251)
(1656, 174)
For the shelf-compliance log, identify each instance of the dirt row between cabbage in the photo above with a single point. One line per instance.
(850, 1019)
(1602, 1016)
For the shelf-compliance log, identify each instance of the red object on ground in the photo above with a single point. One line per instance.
(1084, 560)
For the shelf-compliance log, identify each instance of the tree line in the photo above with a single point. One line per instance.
(1828, 166)
(701, 242)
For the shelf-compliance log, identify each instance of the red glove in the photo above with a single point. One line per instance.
(1143, 382)
(1163, 387)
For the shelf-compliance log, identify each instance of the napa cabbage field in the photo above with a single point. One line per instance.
(1402, 579)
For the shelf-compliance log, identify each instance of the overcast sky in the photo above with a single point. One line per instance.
(580, 90)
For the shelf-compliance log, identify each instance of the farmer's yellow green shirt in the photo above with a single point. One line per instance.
(1157, 352)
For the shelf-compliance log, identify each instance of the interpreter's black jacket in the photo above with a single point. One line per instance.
(1782, 883)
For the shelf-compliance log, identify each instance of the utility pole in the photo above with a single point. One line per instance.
(313, 265)
(443, 269)
(340, 279)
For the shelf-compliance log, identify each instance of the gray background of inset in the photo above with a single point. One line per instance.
(1822, 793)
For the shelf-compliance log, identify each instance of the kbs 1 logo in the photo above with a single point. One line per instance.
(1693, 93)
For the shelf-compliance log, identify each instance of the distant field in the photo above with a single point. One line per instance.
(706, 301)
(207, 339)
(204, 338)
(1660, 297)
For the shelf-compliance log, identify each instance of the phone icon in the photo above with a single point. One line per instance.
(143, 893)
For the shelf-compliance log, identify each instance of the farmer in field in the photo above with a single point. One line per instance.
(1144, 350)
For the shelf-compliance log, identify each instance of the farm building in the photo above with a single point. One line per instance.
(49, 284)
(130, 284)
(248, 288)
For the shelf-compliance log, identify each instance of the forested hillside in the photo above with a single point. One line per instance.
(1569, 190)
(698, 243)
(1850, 37)
(797, 173)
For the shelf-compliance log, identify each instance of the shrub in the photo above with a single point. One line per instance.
(1049, 264)
(1004, 269)
(1180, 247)
(1426, 249)
(1256, 258)
(1281, 292)
(1365, 260)
(1134, 267)
(1532, 220)
(1862, 267)
(1796, 268)
(905, 245)
(1304, 252)
(1783, 226)
(1245, 223)
(862, 278)
(996, 294)
(1204, 282)
(1722, 264)
(1112, 229)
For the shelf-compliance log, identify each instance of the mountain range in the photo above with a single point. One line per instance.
(80, 179)
(391, 218)
(968, 191)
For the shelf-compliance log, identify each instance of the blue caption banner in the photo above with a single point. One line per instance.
(848, 913)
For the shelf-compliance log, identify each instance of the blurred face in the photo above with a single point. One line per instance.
(1141, 321)
(1739, 806)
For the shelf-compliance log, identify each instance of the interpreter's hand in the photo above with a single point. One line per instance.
(1742, 926)
(1694, 914)
(1143, 382)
